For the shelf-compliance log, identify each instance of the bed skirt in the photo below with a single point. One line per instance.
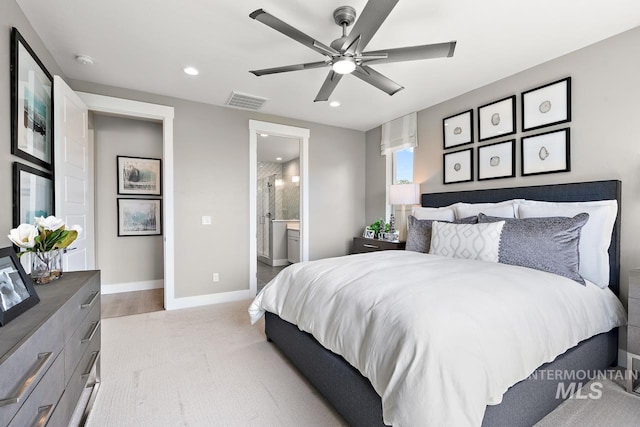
(352, 395)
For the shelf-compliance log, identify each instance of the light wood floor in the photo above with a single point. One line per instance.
(128, 303)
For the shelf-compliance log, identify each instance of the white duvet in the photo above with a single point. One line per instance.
(439, 338)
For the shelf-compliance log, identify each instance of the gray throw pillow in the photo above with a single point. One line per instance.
(546, 244)
(419, 235)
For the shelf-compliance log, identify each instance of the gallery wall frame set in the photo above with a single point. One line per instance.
(17, 293)
(497, 160)
(544, 153)
(139, 217)
(458, 166)
(139, 176)
(497, 119)
(31, 105)
(457, 130)
(547, 105)
(33, 194)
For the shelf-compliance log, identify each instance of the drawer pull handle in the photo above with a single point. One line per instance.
(90, 335)
(92, 361)
(42, 360)
(92, 299)
(367, 245)
(46, 413)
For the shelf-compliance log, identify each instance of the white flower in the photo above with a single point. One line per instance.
(76, 228)
(49, 223)
(24, 235)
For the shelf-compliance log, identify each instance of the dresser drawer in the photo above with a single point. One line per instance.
(61, 415)
(24, 368)
(43, 400)
(80, 340)
(83, 371)
(79, 306)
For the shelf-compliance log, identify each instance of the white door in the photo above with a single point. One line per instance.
(73, 156)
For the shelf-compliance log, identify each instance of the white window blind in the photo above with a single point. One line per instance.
(399, 133)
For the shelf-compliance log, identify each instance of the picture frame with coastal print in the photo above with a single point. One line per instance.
(17, 293)
(547, 105)
(458, 166)
(139, 217)
(547, 152)
(33, 194)
(31, 105)
(139, 176)
(497, 160)
(497, 119)
(457, 130)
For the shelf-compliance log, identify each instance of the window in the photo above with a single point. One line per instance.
(402, 169)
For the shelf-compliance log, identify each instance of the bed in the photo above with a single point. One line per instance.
(525, 402)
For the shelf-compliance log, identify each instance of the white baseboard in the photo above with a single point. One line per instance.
(200, 300)
(280, 262)
(116, 288)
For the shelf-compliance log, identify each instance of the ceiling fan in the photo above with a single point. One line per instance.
(346, 55)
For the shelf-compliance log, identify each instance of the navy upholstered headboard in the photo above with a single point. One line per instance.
(574, 192)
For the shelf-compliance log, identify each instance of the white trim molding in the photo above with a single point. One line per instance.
(117, 288)
(303, 134)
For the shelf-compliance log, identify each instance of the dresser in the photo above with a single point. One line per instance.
(633, 328)
(50, 354)
(362, 244)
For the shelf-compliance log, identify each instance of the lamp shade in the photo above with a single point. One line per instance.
(404, 194)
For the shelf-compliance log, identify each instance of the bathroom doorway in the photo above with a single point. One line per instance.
(279, 200)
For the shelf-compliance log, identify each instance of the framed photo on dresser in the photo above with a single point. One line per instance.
(17, 294)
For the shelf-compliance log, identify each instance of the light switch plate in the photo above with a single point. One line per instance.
(206, 220)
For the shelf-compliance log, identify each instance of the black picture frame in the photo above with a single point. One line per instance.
(139, 217)
(452, 175)
(497, 119)
(17, 293)
(554, 97)
(31, 105)
(40, 191)
(457, 130)
(141, 176)
(505, 151)
(556, 145)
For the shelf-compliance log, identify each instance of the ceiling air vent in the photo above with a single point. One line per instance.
(246, 102)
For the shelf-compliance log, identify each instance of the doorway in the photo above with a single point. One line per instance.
(278, 228)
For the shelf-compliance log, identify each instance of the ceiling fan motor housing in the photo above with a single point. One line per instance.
(344, 15)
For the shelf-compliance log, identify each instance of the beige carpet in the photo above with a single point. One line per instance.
(200, 367)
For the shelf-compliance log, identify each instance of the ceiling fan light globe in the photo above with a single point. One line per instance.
(344, 66)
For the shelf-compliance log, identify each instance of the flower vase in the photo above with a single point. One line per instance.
(46, 266)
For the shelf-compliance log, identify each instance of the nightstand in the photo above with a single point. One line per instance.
(633, 328)
(362, 245)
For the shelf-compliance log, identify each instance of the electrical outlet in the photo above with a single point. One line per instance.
(216, 277)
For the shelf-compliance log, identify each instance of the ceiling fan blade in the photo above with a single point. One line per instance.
(376, 79)
(286, 68)
(328, 86)
(412, 53)
(286, 29)
(371, 18)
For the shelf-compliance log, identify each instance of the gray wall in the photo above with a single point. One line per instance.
(604, 132)
(132, 258)
(211, 166)
(11, 16)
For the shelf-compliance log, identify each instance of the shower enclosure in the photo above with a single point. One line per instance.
(266, 208)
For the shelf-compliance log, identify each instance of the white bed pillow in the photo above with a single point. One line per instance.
(595, 237)
(446, 213)
(504, 209)
(468, 241)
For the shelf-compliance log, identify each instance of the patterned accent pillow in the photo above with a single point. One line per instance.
(419, 234)
(547, 244)
(469, 241)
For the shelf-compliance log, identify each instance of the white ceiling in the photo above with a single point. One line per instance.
(144, 45)
(271, 147)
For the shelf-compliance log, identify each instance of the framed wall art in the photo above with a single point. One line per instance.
(546, 153)
(547, 105)
(458, 130)
(139, 176)
(139, 217)
(33, 194)
(31, 105)
(497, 119)
(497, 160)
(17, 294)
(458, 166)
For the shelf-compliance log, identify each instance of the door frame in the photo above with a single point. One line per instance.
(165, 114)
(276, 129)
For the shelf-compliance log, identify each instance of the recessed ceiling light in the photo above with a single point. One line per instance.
(278, 158)
(334, 104)
(264, 135)
(191, 71)
(84, 59)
